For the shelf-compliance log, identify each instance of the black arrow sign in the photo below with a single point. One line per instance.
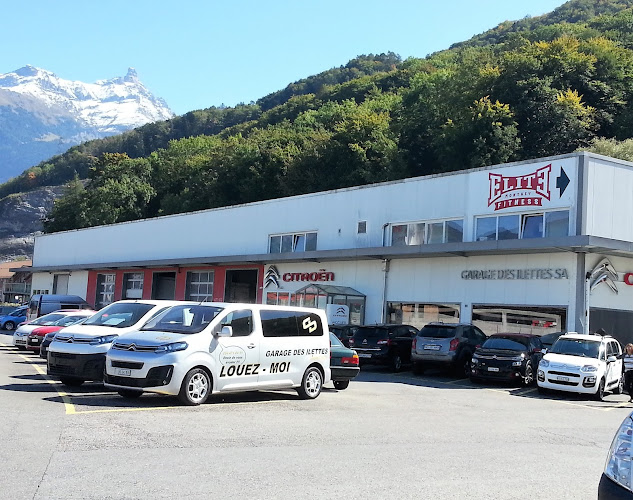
(562, 181)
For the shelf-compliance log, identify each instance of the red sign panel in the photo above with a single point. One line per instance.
(519, 191)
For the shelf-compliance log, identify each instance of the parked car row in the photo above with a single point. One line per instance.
(191, 349)
(566, 362)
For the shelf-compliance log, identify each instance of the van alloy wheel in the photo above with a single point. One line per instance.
(195, 387)
(599, 395)
(311, 384)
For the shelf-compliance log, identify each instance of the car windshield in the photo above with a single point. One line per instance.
(368, 332)
(576, 347)
(507, 343)
(119, 315)
(185, 319)
(70, 320)
(335, 341)
(48, 319)
(438, 331)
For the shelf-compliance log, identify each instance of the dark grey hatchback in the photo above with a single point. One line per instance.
(446, 345)
(387, 344)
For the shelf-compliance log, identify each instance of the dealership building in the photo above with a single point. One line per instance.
(527, 247)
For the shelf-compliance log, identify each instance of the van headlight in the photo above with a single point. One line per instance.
(589, 368)
(618, 466)
(176, 346)
(106, 339)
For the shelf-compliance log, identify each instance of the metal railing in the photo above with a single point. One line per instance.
(16, 288)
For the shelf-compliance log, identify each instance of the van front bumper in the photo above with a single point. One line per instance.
(79, 366)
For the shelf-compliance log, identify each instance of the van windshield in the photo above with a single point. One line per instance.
(120, 315)
(185, 319)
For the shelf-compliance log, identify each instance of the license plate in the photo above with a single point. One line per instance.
(562, 379)
(493, 369)
(126, 372)
(35, 341)
(432, 347)
(363, 355)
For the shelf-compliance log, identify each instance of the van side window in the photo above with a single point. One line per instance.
(240, 321)
(290, 324)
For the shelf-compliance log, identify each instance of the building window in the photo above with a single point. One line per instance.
(133, 285)
(362, 227)
(519, 319)
(295, 242)
(557, 224)
(420, 233)
(418, 315)
(280, 299)
(512, 227)
(105, 290)
(199, 286)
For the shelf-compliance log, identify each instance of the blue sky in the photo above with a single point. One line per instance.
(196, 54)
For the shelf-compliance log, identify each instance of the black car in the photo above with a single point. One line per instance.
(344, 363)
(512, 357)
(549, 338)
(386, 344)
(46, 341)
(344, 332)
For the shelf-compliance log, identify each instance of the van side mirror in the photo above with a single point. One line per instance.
(611, 359)
(227, 331)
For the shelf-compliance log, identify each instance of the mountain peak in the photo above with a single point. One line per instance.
(131, 75)
(29, 70)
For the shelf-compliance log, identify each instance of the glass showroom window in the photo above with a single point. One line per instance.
(419, 233)
(296, 242)
(199, 286)
(105, 290)
(418, 315)
(133, 285)
(532, 226)
(486, 229)
(280, 299)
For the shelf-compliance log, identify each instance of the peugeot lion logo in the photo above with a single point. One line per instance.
(605, 273)
(272, 277)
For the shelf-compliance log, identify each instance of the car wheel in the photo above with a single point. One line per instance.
(71, 382)
(462, 366)
(418, 368)
(341, 384)
(619, 389)
(9, 325)
(311, 384)
(195, 387)
(528, 378)
(396, 362)
(129, 393)
(599, 395)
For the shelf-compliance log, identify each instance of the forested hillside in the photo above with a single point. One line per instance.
(542, 86)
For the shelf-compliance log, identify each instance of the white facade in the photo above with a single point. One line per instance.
(397, 242)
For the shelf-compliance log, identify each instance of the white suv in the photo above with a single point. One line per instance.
(587, 364)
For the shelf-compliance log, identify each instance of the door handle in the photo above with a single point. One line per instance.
(251, 346)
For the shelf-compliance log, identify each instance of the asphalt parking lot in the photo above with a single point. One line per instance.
(386, 436)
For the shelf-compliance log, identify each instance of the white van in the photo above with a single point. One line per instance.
(78, 352)
(193, 351)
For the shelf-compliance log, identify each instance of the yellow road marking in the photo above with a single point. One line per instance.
(70, 407)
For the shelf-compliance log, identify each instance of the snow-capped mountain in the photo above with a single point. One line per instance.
(42, 115)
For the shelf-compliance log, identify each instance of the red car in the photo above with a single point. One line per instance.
(35, 338)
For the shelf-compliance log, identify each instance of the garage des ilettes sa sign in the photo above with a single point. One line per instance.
(516, 274)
